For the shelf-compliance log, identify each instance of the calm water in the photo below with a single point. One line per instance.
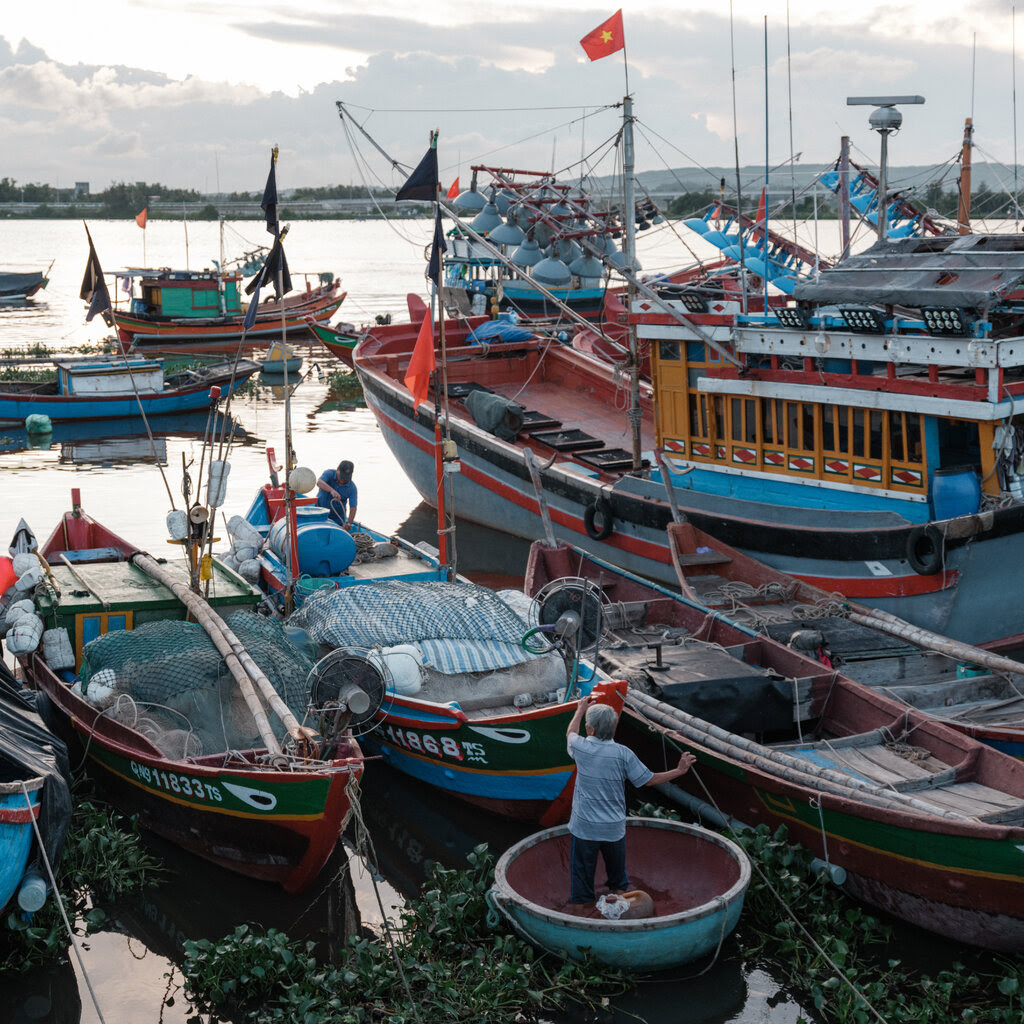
(120, 484)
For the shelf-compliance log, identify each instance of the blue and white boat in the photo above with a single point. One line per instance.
(117, 388)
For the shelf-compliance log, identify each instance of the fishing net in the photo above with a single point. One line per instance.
(167, 680)
(469, 641)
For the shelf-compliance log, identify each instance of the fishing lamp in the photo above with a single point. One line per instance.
(793, 317)
(552, 273)
(527, 255)
(588, 269)
(864, 321)
(942, 320)
(487, 219)
(693, 302)
(507, 234)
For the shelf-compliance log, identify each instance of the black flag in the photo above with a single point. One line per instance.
(422, 183)
(94, 287)
(275, 260)
(434, 267)
(269, 203)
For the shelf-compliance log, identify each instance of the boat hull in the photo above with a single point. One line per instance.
(513, 764)
(221, 335)
(15, 408)
(275, 826)
(16, 832)
(698, 881)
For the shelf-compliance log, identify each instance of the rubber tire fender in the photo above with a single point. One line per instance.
(599, 519)
(924, 550)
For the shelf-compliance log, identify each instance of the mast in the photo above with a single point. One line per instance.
(629, 251)
(844, 194)
(963, 210)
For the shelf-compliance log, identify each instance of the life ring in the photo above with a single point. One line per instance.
(924, 550)
(599, 519)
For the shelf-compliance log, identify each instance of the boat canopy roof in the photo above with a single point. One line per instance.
(966, 271)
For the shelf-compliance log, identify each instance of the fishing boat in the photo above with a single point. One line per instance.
(340, 340)
(18, 285)
(974, 690)
(325, 555)
(913, 817)
(876, 460)
(273, 810)
(35, 802)
(698, 879)
(201, 311)
(92, 389)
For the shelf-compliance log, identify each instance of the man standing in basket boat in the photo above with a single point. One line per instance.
(598, 820)
(338, 494)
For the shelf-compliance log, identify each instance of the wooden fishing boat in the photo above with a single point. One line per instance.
(83, 390)
(340, 340)
(201, 311)
(975, 690)
(698, 880)
(18, 285)
(469, 708)
(270, 815)
(926, 823)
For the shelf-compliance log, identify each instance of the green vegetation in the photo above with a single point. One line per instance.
(975, 988)
(343, 383)
(103, 855)
(453, 966)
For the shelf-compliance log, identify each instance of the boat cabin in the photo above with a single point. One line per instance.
(124, 377)
(890, 383)
(183, 294)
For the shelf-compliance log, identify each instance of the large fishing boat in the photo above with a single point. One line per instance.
(863, 438)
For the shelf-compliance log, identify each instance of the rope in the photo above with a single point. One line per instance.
(60, 903)
(778, 897)
(364, 848)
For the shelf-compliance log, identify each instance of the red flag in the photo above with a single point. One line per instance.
(423, 363)
(762, 209)
(606, 39)
(140, 218)
(454, 190)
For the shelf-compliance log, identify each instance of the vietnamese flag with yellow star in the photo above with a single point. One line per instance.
(606, 39)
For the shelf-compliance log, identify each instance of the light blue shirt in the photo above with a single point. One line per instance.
(599, 800)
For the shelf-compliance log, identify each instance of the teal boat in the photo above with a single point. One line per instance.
(697, 880)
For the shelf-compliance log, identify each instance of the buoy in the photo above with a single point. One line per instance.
(219, 470)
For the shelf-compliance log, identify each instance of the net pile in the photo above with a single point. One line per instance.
(458, 627)
(167, 680)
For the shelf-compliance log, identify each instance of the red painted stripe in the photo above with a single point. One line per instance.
(883, 586)
(18, 815)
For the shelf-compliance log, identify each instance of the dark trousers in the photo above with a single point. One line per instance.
(584, 866)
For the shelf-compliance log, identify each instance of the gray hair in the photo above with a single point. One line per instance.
(602, 719)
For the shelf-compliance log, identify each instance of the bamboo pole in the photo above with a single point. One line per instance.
(235, 656)
(888, 623)
(776, 762)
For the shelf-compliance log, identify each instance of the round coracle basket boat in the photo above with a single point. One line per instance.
(696, 879)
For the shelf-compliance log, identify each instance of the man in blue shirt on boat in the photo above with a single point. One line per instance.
(598, 821)
(335, 491)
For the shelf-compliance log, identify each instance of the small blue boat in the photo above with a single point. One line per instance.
(17, 811)
(696, 878)
(35, 801)
(114, 389)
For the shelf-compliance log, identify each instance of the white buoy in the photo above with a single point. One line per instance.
(219, 470)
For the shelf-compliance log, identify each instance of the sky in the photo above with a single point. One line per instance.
(194, 93)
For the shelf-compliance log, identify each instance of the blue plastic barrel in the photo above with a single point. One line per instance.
(324, 547)
(956, 491)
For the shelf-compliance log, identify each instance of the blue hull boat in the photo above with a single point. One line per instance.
(116, 389)
(696, 878)
(18, 808)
